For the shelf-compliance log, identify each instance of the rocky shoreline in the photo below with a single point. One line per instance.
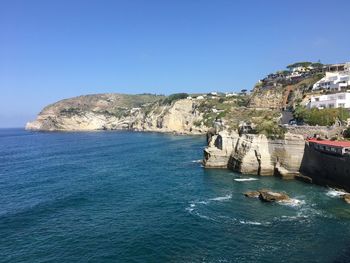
(244, 152)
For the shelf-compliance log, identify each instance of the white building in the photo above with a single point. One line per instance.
(337, 100)
(333, 81)
(230, 94)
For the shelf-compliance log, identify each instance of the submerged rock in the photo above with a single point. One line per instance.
(346, 198)
(269, 196)
(252, 194)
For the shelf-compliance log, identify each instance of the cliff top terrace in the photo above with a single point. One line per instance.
(331, 147)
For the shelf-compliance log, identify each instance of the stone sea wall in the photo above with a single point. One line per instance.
(326, 169)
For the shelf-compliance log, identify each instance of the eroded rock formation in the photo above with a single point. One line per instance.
(255, 154)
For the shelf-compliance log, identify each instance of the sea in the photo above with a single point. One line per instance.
(118, 196)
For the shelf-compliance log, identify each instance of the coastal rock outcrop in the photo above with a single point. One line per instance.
(270, 196)
(219, 150)
(256, 154)
(266, 195)
(252, 194)
(346, 198)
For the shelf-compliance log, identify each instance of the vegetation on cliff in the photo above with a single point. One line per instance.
(322, 117)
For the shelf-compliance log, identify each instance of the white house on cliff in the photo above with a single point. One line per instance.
(337, 100)
(335, 80)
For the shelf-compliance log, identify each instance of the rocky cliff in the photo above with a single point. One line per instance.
(118, 111)
(255, 154)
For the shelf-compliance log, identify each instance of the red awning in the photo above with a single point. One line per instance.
(330, 143)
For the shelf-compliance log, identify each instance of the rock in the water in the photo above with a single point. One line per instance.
(346, 198)
(252, 194)
(303, 178)
(269, 196)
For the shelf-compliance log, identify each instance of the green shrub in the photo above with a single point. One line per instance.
(197, 123)
(173, 97)
(70, 111)
(271, 129)
(322, 117)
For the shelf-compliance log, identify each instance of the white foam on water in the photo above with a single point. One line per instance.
(245, 179)
(335, 193)
(197, 161)
(250, 223)
(204, 216)
(222, 198)
(189, 209)
(293, 202)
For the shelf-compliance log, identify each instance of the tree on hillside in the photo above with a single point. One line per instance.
(304, 64)
(317, 65)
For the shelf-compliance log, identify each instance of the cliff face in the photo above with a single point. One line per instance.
(255, 154)
(219, 149)
(116, 111)
(271, 97)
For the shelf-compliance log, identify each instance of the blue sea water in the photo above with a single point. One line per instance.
(144, 197)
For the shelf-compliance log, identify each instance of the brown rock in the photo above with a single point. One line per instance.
(252, 194)
(269, 196)
(346, 198)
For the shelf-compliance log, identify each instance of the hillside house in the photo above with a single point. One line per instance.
(335, 81)
(337, 67)
(337, 100)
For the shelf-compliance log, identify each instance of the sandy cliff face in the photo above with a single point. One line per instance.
(255, 154)
(115, 112)
(267, 98)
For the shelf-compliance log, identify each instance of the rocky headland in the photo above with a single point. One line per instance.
(120, 112)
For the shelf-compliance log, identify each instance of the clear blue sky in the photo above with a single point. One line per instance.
(50, 50)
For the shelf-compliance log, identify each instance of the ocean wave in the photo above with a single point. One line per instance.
(250, 223)
(245, 179)
(221, 198)
(189, 209)
(293, 202)
(335, 193)
(298, 217)
(197, 161)
(204, 217)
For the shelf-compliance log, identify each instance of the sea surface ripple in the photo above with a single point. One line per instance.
(144, 197)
